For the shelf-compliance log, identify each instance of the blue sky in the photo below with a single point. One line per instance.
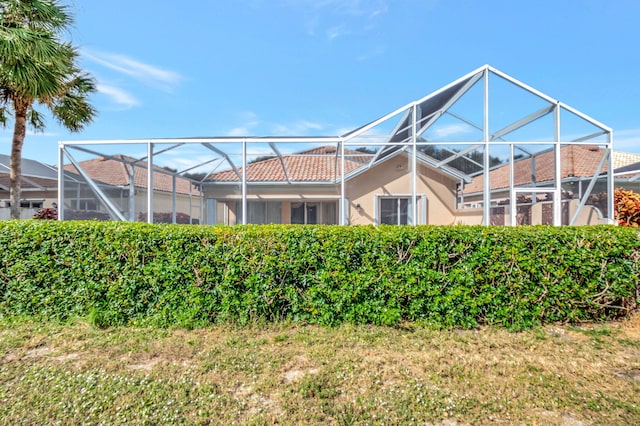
(321, 67)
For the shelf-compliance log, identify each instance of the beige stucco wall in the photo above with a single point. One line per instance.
(163, 202)
(391, 178)
(469, 217)
(588, 215)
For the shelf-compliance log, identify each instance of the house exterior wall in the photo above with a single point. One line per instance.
(393, 178)
(388, 179)
(163, 203)
(46, 197)
(536, 214)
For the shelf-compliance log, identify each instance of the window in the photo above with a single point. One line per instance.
(320, 212)
(394, 211)
(260, 212)
(85, 204)
(31, 204)
(27, 204)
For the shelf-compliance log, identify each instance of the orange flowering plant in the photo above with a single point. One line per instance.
(627, 207)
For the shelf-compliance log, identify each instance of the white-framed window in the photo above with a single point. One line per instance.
(260, 212)
(317, 212)
(27, 204)
(394, 211)
(397, 210)
(86, 204)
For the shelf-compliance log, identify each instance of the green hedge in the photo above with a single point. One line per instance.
(166, 275)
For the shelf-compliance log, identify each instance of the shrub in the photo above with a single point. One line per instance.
(176, 275)
(70, 214)
(46, 214)
(167, 217)
(627, 207)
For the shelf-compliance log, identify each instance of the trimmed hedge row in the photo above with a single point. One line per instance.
(452, 276)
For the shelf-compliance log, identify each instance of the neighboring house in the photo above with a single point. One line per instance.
(39, 187)
(304, 188)
(628, 176)
(580, 166)
(124, 188)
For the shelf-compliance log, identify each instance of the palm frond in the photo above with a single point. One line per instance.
(46, 15)
(73, 109)
(35, 120)
(3, 116)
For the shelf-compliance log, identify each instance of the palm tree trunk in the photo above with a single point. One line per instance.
(15, 162)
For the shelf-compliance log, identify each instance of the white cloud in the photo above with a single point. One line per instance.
(239, 131)
(339, 18)
(627, 140)
(450, 130)
(298, 128)
(335, 32)
(249, 121)
(372, 53)
(145, 73)
(8, 133)
(41, 134)
(251, 125)
(310, 125)
(117, 95)
(367, 8)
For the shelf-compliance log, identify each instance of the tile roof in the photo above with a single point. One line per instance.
(622, 159)
(315, 165)
(576, 161)
(116, 173)
(29, 182)
(628, 171)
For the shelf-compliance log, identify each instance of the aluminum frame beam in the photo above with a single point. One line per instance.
(226, 157)
(113, 210)
(284, 167)
(522, 122)
(592, 183)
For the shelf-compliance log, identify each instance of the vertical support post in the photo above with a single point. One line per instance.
(60, 181)
(149, 182)
(610, 180)
(513, 204)
(557, 193)
(414, 164)
(244, 182)
(486, 192)
(173, 198)
(132, 194)
(190, 203)
(202, 206)
(343, 206)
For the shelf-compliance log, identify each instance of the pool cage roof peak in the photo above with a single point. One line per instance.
(410, 129)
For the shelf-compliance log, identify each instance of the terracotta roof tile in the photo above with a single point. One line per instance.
(116, 173)
(621, 159)
(576, 160)
(315, 165)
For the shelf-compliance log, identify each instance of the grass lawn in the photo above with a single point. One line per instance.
(294, 374)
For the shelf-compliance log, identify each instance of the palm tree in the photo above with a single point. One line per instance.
(37, 66)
